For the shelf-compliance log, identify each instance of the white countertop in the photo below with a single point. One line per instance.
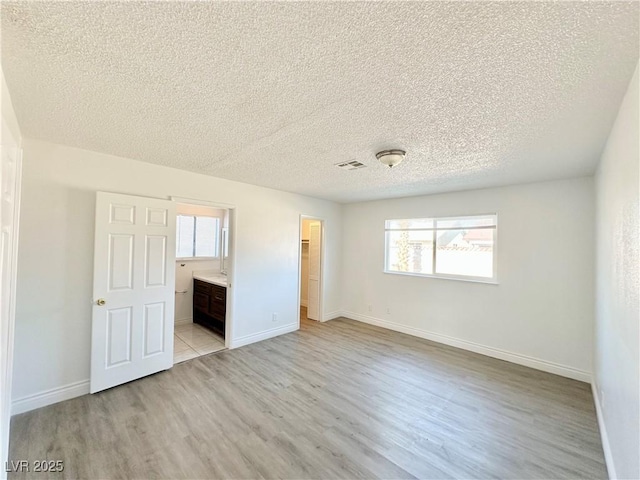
(215, 278)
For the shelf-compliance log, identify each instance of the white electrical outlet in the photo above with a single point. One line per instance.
(388, 311)
(274, 317)
(370, 308)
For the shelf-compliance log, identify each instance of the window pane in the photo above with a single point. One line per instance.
(467, 222)
(206, 236)
(409, 223)
(409, 251)
(184, 240)
(465, 252)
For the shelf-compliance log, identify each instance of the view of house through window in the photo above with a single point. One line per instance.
(456, 247)
(197, 236)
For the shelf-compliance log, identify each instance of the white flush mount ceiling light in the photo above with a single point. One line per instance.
(391, 158)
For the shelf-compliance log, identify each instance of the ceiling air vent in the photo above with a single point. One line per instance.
(352, 165)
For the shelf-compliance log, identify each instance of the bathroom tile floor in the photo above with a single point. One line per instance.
(191, 340)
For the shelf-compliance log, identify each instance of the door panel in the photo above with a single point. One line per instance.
(120, 262)
(157, 217)
(122, 214)
(119, 336)
(154, 319)
(156, 261)
(134, 281)
(314, 299)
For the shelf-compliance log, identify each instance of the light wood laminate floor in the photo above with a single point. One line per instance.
(335, 400)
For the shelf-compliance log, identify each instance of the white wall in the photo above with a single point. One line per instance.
(617, 358)
(10, 153)
(53, 321)
(540, 314)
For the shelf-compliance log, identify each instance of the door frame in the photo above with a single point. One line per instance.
(8, 321)
(322, 257)
(229, 324)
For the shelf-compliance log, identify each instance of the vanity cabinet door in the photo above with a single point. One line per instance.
(218, 302)
(210, 305)
(201, 302)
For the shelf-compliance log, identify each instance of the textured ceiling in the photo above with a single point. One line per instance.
(274, 94)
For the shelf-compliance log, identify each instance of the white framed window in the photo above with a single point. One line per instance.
(461, 248)
(197, 236)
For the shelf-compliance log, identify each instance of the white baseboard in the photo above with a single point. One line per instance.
(331, 315)
(49, 397)
(182, 321)
(77, 389)
(606, 446)
(512, 357)
(257, 337)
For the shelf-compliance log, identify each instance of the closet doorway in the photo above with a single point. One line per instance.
(311, 261)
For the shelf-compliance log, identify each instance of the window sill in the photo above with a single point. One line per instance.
(490, 281)
(196, 259)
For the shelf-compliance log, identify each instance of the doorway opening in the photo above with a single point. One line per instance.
(310, 268)
(203, 267)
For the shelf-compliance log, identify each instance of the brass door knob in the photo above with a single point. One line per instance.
(101, 301)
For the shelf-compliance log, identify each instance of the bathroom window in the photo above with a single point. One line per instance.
(459, 248)
(197, 236)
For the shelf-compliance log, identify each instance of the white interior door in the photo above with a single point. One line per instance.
(133, 288)
(315, 249)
